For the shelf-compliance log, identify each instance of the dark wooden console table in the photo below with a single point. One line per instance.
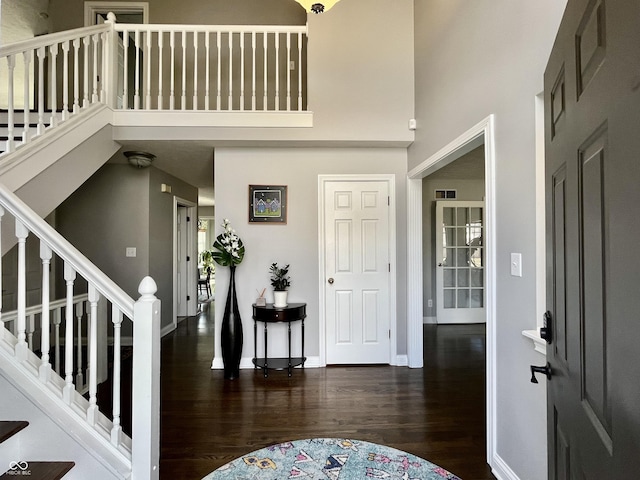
(269, 314)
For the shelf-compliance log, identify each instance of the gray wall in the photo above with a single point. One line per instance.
(122, 207)
(466, 190)
(474, 59)
(296, 242)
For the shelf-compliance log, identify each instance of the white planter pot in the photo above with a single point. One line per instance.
(280, 299)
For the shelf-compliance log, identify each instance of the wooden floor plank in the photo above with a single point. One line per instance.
(437, 413)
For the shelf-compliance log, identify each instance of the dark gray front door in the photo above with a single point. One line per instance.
(592, 114)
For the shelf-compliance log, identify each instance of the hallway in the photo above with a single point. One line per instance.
(436, 413)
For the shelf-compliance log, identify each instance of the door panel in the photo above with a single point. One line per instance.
(592, 107)
(356, 216)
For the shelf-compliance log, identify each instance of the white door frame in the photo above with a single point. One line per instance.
(472, 138)
(390, 179)
(192, 252)
(92, 8)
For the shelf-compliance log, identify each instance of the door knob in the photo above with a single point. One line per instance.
(330, 281)
(546, 370)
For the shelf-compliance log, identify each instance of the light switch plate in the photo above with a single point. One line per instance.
(130, 252)
(516, 264)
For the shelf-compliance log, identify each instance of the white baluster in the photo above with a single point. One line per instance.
(288, 69)
(172, 88)
(160, 71)
(11, 64)
(65, 80)
(230, 101)
(136, 95)
(207, 103)
(53, 51)
(241, 70)
(116, 430)
(86, 43)
(147, 73)
(219, 47)
(125, 91)
(78, 310)
(253, 71)
(45, 365)
(194, 107)
(94, 297)
(184, 72)
(21, 347)
(42, 53)
(95, 40)
(277, 67)
(265, 42)
(299, 71)
(103, 67)
(26, 132)
(31, 328)
(67, 391)
(76, 75)
(57, 321)
(2, 326)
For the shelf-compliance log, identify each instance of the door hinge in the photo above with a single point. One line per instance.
(389, 201)
(389, 268)
(188, 298)
(389, 334)
(188, 219)
(188, 258)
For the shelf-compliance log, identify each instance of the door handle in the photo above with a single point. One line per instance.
(330, 281)
(546, 370)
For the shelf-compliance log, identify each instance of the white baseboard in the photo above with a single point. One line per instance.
(247, 363)
(401, 361)
(168, 329)
(501, 470)
(429, 320)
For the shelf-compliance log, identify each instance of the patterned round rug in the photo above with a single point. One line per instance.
(329, 459)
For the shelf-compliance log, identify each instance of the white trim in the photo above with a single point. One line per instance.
(430, 320)
(246, 363)
(192, 249)
(390, 179)
(475, 136)
(541, 280)
(539, 345)
(92, 8)
(501, 470)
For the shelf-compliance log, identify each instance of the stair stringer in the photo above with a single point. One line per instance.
(73, 438)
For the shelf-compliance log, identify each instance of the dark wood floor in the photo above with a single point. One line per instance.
(437, 413)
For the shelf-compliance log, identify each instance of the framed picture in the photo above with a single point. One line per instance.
(268, 204)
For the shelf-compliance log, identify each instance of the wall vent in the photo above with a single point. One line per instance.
(445, 194)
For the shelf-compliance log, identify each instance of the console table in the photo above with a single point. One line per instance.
(269, 314)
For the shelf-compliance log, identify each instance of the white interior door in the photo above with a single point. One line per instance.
(357, 278)
(460, 272)
(182, 267)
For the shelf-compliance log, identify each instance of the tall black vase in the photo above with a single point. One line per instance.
(231, 335)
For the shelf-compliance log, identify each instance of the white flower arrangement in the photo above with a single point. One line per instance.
(228, 246)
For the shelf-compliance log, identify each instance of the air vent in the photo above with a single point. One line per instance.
(445, 194)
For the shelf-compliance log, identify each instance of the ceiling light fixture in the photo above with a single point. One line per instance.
(140, 159)
(317, 7)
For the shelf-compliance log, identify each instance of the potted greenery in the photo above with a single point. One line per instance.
(207, 262)
(280, 281)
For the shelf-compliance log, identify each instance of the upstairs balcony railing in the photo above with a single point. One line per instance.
(47, 80)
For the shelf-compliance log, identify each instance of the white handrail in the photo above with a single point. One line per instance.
(148, 27)
(51, 39)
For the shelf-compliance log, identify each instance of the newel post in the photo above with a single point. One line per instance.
(146, 383)
(110, 61)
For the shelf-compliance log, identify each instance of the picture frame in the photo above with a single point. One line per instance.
(268, 204)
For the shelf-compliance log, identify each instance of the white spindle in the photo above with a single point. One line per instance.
(299, 71)
(76, 75)
(95, 39)
(11, 64)
(136, 95)
(253, 71)
(277, 68)
(241, 70)
(92, 336)
(219, 47)
(116, 430)
(207, 103)
(57, 321)
(31, 328)
(103, 66)
(53, 52)
(194, 106)
(183, 98)
(265, 42)
(230, 104)
(45, 321)
(65, 79)
(172, 88)
(27, 82)
(78, 310)
(42, 53)
(67, 392)
(125, 86)
(21, 346)
(288, 68)
(147, 73)
(2, 326)
(160, 71)
(86, 43)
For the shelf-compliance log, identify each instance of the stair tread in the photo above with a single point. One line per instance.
(9, 428)
(38, 470)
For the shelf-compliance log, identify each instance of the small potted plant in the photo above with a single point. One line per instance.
(280, 281)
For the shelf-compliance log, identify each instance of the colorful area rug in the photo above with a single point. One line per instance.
(329, 459)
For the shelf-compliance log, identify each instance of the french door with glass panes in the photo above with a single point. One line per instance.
(460, 290)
